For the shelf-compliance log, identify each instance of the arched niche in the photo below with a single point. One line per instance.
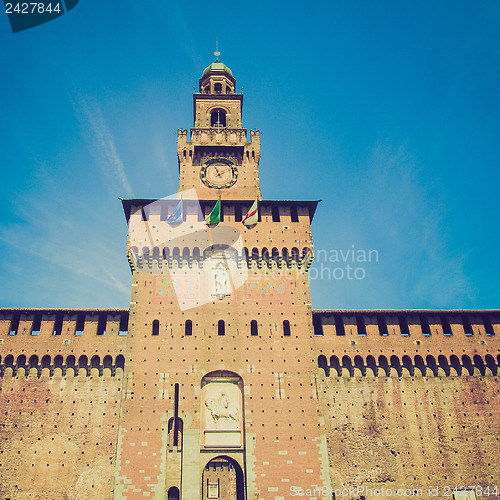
(222, 411)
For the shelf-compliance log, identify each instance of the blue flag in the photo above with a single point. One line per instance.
(176, 216)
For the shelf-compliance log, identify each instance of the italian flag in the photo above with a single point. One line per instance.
(214, 216)
(252, 216)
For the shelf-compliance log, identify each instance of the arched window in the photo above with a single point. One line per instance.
(176, 254)
(95, 361)
(431, 364)
(255, 254)
(218, 88)
(276, 255)
(347, 364)
(490, 363)
(83, 363)
(70, 363)
(107, 362)
(265, 255)
(254, 329)
(479, 364)
(286, 328)
(221, 327)
(443, 363)
(455, 363)
(419, 363)
(218, 118)
(156, 327)
(372, 364)
(322, 363)
(34, 364)
(284, 255)
(46, 362)
(335, 364)
(396, 365)
(120, 362)
(188, 327)
(467, 364)
(407, 363)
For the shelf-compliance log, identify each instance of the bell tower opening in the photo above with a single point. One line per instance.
(218, 118)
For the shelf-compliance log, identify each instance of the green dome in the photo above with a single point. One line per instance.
(217, 66)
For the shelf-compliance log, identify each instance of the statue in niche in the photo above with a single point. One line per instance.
(223, 413)
(221, 281)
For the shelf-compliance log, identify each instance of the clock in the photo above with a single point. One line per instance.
(219, 173)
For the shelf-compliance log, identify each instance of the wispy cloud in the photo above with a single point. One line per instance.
(55, 236)
(52, 236)
(411, 224)
(392, 207)
(102, 145)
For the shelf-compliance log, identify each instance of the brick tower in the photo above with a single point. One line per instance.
(220, 325)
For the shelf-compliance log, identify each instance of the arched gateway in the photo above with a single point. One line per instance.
(223, 479)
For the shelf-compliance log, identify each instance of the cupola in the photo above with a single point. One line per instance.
(217, 79)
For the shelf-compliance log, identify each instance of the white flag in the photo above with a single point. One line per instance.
(252, 216)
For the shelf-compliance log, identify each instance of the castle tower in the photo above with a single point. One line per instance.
(220, 325)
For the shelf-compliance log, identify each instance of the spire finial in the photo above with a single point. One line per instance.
(216, 53)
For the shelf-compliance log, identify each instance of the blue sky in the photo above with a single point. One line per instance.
(388, 111)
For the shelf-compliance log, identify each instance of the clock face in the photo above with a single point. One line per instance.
(219, 173)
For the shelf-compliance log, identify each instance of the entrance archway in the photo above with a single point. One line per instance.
(223, 479)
